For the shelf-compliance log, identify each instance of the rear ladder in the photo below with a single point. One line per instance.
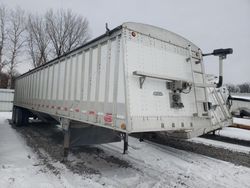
(209, 89)
(199, 85)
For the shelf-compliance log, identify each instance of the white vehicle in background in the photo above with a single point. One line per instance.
(240, 105)
(135, 78)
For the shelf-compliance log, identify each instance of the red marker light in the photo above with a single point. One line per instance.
(133, 34)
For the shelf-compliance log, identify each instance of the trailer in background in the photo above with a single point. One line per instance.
(135, 78)
(6, 100)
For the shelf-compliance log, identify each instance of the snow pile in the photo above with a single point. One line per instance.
(229, 132)
(241, 121)
(19, 166)
(242, 96)
(232, 132)
(219, 144)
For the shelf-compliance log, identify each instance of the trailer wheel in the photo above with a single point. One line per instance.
(13, 115)
(18, 117)
(21, 117)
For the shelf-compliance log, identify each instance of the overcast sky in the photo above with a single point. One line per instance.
(210, 24)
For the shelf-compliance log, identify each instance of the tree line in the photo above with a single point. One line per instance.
(37, 38)
(240, 88)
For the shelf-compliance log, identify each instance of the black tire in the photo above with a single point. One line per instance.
(21, 117)
(18, 117)
(14, 115)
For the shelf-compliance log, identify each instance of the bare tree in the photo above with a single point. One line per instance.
(240, 88)
(3, 22)
(4, 80)
(244, 88)
(15, 34)
(231, 88)
(66, 30)
(37, 40)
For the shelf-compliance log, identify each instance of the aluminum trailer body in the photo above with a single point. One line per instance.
(135, 78)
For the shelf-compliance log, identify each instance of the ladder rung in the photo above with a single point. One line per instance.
(201, 101)
(222, 104)
(203, 85)
(205, 116)
(197, 58)
(198, 72)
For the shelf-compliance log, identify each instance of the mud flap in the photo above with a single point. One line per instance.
(90, 135)
(81, 134)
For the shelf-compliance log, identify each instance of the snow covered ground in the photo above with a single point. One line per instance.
(150, 165)
(241, 121)
(242, 95)
(229, 132)
(220, 144)
(232, 132)
(19, 166)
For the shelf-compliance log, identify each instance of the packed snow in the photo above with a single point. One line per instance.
(19, 166)
(232, 132)
(220, 144)
(241, 121)
(247, 96)
(152, 165)
(229, 132)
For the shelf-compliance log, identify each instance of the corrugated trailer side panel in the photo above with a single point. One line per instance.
(86, 85)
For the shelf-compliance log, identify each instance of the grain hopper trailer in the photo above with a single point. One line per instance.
(135, 78)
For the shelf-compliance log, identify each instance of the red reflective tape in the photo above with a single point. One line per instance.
(91, 112)
(77, 110)
(108, 118)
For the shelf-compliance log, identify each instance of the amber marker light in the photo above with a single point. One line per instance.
(123, 126)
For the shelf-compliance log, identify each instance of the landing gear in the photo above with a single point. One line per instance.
(66, 142)
(66, 145)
